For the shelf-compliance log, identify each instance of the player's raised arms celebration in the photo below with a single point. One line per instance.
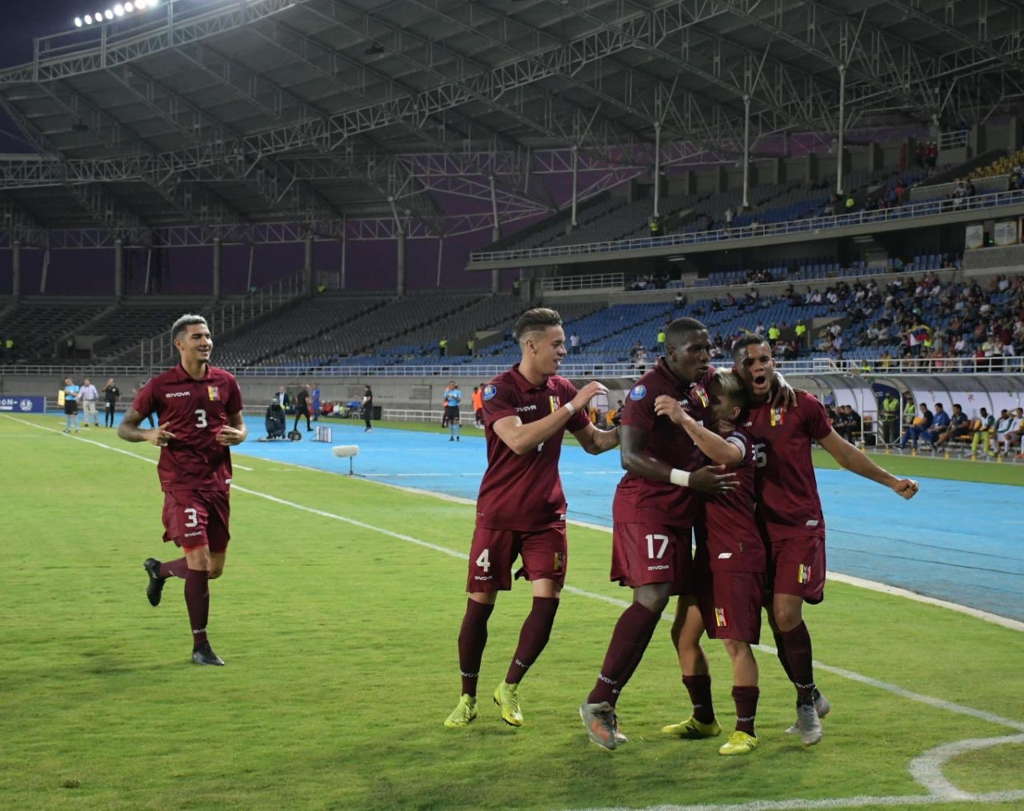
(544, 404)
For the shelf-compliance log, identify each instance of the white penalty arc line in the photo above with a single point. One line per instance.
(925, 769)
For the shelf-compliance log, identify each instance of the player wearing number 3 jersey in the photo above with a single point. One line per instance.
(521, 507)
(199, 411)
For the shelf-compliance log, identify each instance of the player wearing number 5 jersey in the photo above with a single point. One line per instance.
(790, 511)
(521, 507)
(199, 411)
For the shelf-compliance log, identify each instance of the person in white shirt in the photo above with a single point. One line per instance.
(88, 395)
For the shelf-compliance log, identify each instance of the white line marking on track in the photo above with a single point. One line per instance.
(925, 769)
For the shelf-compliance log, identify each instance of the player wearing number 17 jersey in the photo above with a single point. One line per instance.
(199, 410)
(790, 512)
(520, 511)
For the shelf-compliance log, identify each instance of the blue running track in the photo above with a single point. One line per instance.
(957, 541)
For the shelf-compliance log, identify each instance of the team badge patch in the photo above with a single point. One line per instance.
(559, 562)
(490, 391)
(638, 392)
(720, 617)
(213, 392)
(553, 402)
(803, 574)
(776, 417)
(701, 394)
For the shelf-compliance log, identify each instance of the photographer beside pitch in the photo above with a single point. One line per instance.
(200, 416)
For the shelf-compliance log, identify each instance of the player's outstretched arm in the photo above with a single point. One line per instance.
(858, 462)
(593, 440)
(129, 430)
(524, 438)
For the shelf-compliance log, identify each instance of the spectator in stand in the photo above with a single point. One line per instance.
(847, 423)
(574, 343)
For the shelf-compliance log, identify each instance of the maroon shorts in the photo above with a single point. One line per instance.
(197, 518)
(796, 565)
(731, 605)
(643, 554)
(544, 552)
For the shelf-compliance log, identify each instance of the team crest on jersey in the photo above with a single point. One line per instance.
(489, 391)
(638, 392)
(720, 617)
(803, 574)
(213, 392)
(776, 417)
(559, 561)
(553, 402)
(701, 394)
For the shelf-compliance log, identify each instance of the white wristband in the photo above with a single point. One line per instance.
(570, 407)
(679, 477)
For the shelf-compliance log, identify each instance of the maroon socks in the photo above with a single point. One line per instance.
(533, 637)
(796, 644)
(174, 568)
(632, 633)
(472, 640)
(745, 699)
(197, 600)
(699, 688)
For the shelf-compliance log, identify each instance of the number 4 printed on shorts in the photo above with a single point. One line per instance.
(653, 539)
(484, 561)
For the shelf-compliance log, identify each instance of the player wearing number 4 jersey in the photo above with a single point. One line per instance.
(521, 507)
(199, 410)
(790, 512)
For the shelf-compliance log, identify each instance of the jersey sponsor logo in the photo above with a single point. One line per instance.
(813, 522)
(490, 391)
(531, 407)
(658, 568)
(171, 394)
(724, 555)
(213, 392)
(638, 392)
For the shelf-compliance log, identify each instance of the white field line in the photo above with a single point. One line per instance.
(926, 769)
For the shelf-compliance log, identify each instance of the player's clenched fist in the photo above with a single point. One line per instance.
(906, 487)
(587, 393)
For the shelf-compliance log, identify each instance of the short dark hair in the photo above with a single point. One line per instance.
(187, 320)
(680, 327)
(539, 318)
(957, 405)
(745, 340)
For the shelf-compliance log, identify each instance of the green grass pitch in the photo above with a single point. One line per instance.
(340, 641)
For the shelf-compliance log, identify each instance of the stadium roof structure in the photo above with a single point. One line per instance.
(371, 118)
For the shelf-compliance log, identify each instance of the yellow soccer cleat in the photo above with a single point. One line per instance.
(506, 696)
(463, 714)
(691, 729)
(739, 743)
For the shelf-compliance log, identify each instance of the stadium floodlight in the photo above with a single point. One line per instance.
(118, 10)
(88, 19)
(109, 14)
(78, 22)
(129, 7)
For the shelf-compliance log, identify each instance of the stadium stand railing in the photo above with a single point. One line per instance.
(759, 230)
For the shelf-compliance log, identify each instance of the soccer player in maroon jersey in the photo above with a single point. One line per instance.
(790, 514)
(521, 508)
(199, 410)
(731, 600)
(653, 515)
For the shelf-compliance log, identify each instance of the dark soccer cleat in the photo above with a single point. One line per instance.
(204, 655)
(155, 589)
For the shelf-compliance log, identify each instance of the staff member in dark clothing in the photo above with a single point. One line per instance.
(110, 393)
(367, 406)
(302, 408)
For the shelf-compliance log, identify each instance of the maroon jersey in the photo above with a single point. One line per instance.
(787, 491)
(733, 538)
(639, 500)
(194, 411)
(523, 492)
